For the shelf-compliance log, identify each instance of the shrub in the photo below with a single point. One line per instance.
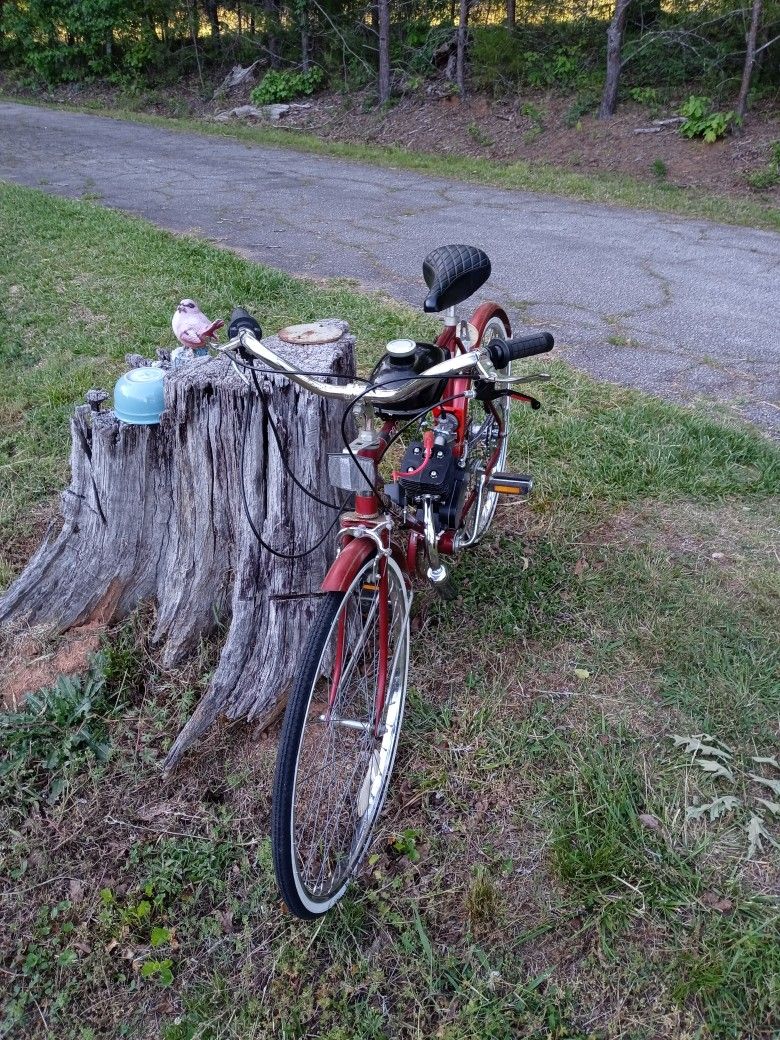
(53, 735)
(278, 87)
(769, 177)
(659, 169)
(580, 106)
(644, 95)
(701, 121)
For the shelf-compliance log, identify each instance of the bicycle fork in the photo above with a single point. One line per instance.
(380, 585)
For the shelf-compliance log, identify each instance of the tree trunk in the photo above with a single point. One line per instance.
(615, 34)
(155, 513)
(384, 50)
(511, 17)
(271, 11)
(213, 17)
(463, 28)
(750, 58)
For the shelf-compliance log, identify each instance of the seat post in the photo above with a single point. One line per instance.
(449, 317)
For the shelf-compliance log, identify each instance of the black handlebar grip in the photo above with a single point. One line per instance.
(502, 351)
(241, 319)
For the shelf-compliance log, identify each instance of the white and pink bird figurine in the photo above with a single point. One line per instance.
(191, 326)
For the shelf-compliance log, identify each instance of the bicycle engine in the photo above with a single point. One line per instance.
(439, 476)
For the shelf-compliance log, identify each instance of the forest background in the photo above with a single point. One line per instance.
(725, 50)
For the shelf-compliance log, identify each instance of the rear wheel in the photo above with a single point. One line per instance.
(339, 740)
(488, 441)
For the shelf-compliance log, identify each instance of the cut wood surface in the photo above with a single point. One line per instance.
(155, 513)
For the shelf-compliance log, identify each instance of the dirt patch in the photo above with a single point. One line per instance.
(729, 538)
(539, 129)
(37, 658)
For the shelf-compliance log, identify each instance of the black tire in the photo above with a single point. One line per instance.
(477, 523)
(350, 780)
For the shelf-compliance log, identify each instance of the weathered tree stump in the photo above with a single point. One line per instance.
(155, 513)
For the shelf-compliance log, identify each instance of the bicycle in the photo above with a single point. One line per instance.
(343, 719)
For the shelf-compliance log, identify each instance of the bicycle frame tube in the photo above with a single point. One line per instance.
(450, 341)
(359, 549)
(493, 458)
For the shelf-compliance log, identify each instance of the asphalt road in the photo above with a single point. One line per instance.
(683, 308)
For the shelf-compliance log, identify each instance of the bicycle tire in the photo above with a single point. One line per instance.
(477, 526)
(354, 774)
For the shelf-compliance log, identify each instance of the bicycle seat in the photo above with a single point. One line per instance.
(453, 273)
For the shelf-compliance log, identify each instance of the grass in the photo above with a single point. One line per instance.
(609, 188)
(537, 872)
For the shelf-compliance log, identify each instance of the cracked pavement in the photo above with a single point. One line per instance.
(686, 309)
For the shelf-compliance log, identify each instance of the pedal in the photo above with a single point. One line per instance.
(510, 484)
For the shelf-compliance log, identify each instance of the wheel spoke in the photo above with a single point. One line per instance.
(343, 757)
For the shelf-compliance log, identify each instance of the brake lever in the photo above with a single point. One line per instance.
(533, 377)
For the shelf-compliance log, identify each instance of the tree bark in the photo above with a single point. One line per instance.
(463, 28)
(511, 17)
(383, 11)
(750, 57)
(213, 17)
(271, 11)
(155, 513)
(615, 34)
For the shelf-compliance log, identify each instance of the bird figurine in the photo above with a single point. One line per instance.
(191, 326)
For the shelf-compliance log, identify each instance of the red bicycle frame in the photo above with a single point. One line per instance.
(359, 547)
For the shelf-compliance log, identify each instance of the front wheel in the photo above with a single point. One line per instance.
(339, 737)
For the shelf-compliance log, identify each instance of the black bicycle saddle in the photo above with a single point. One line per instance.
(453, 273)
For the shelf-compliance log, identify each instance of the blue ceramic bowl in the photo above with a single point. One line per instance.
(139, 397)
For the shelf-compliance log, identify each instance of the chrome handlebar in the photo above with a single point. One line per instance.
(477, 361)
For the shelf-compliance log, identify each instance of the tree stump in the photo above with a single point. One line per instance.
(156, 513)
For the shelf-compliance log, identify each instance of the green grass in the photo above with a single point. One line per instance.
(616, 189)
(516, 887)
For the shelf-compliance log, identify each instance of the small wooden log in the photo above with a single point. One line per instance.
(156, 513)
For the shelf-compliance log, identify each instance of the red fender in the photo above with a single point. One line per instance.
(484, 313)
(355, 553)
(346, 565)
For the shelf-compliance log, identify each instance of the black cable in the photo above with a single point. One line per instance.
(245, 501)
(254, 371)
(277, 438)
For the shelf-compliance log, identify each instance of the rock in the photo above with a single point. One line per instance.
(275, 112)
(271, 112)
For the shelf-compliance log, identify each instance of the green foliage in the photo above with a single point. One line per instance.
(751, 798)
(286, 85)
(160, 971)
(644, 95)
(69, 40)
(770, 176)
(159, 42)
(48, 966)
(554, 58)
(585, 102)
(478, 135)
(659, 169)
(58, 730)
(701, 121)
(533, 113)
(405, 844)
